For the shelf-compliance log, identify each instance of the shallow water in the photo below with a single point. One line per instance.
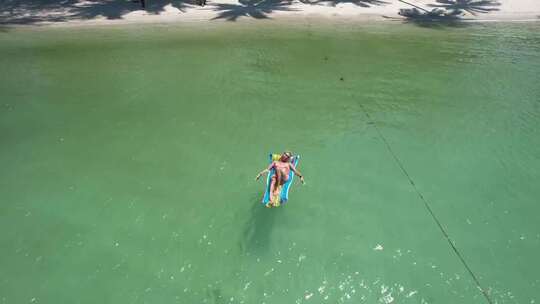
(129, 154)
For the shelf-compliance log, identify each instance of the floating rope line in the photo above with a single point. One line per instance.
(428, 207)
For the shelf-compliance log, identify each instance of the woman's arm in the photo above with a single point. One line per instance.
(264, 171)
(293, 168)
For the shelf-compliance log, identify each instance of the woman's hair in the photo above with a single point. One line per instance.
(286, 156)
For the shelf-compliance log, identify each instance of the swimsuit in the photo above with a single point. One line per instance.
(284, 168)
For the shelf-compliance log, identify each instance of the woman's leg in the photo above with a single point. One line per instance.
(273, 184)
(279, 181)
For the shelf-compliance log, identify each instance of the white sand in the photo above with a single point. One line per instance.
(227, 10)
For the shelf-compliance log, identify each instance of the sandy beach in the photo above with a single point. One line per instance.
(78, 12)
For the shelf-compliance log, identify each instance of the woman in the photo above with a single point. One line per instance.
(282, 168)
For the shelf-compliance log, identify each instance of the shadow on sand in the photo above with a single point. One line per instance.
(446, 13)
(23, 12)
(432, 21)
(361, 3)
(472, 7)
(258, 9)
(27, 12)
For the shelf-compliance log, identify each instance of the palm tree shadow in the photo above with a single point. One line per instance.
(36, 11)
(157, 6)
(116, 9)
(436, 18)
(258, 229)
(434, 22)
(361, 3)
(258, 9)
(471, 6)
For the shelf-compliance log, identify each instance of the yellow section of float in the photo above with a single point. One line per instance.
(275, 200)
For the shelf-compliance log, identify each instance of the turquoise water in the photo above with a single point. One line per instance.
(129, 155)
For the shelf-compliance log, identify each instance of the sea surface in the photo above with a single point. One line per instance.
(128, 156)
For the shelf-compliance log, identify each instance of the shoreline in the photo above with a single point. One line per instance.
(233, 11)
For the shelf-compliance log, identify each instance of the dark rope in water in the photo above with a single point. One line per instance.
(428, 207)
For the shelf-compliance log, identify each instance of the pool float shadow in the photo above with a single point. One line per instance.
(258, 228)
